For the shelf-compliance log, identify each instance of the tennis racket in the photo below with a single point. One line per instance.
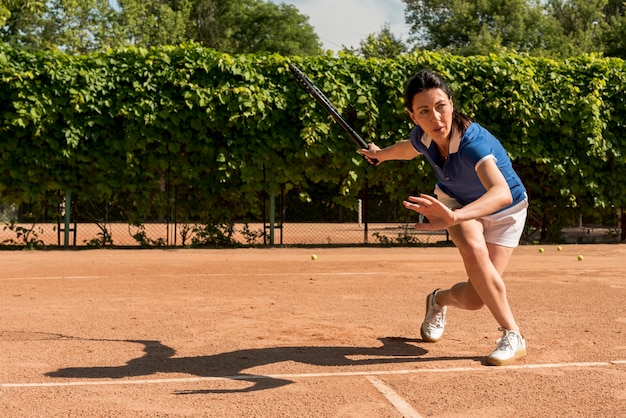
(323, 101)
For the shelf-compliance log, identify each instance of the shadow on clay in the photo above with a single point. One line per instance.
(159, 358)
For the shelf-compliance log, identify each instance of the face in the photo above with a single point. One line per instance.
(432, 111)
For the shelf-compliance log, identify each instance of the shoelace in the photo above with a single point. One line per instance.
(504, 342)
(436, 318)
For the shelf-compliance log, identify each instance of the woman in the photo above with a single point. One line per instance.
(480, 201)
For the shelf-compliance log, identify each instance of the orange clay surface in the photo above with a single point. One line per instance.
(273, 333)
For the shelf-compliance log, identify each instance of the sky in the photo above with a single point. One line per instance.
(347, 22)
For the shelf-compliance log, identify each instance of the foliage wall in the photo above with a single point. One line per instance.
(124, 126)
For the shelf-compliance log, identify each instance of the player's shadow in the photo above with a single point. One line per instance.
(159, 358)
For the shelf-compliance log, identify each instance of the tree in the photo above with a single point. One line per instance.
(74, 26)
(555, 28)
(581, 23)
(82, 26)
(252, 26)
(281, 29)
(477, 27)
(154, 23)
(5, 14)
(614, 37)
(79, 26)
(18, 20)
(382, 44)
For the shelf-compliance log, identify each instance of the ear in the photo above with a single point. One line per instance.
(413, 118)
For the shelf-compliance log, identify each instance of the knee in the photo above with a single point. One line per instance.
(474, 253)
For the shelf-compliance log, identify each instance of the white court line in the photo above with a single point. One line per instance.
(58, 278)
(311, 375)
(194, 275)
(392, 396)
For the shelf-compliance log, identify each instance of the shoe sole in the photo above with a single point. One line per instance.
(424, 336)
(428, 339)
(497, 362)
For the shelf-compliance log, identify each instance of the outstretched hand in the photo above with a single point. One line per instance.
(370, 154)
(439, 215)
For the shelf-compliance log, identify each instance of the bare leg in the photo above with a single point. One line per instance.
(484, 264)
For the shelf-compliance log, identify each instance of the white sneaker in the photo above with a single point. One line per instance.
(435, 320)
(510, 347)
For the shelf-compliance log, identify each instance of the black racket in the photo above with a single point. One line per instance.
(323, 101)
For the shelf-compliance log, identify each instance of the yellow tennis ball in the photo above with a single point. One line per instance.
(313, 257)
(541, 250)
(580, 258)
(559, 248)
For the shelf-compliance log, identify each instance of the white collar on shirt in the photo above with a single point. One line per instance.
(455, 142)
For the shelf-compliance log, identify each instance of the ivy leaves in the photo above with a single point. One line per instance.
(220, 128)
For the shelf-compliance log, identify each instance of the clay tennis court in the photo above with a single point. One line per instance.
(272, 333)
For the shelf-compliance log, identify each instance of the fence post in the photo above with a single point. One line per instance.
(272, 215)
(623, 224)
(68, 211)
(366, 209)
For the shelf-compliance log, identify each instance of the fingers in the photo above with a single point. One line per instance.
(370, 159)
(424, 204)
(415, 207)
(371, 147)
(439, 216)
(370, 153)
(428, 226)
(423, 201)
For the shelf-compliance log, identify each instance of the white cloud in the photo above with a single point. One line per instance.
(347, 22)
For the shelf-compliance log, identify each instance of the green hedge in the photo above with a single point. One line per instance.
(123, 126)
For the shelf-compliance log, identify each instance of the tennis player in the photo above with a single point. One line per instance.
(480, 200)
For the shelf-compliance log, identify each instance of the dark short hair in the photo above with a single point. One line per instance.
(426, 80)
(420, 81)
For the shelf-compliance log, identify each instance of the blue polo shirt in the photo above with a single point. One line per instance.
(457, 175)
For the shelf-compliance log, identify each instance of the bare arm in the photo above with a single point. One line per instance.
(401, 150)
(497, 196)
(498, 193)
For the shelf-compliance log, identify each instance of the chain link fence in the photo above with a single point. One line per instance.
(286, 220)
